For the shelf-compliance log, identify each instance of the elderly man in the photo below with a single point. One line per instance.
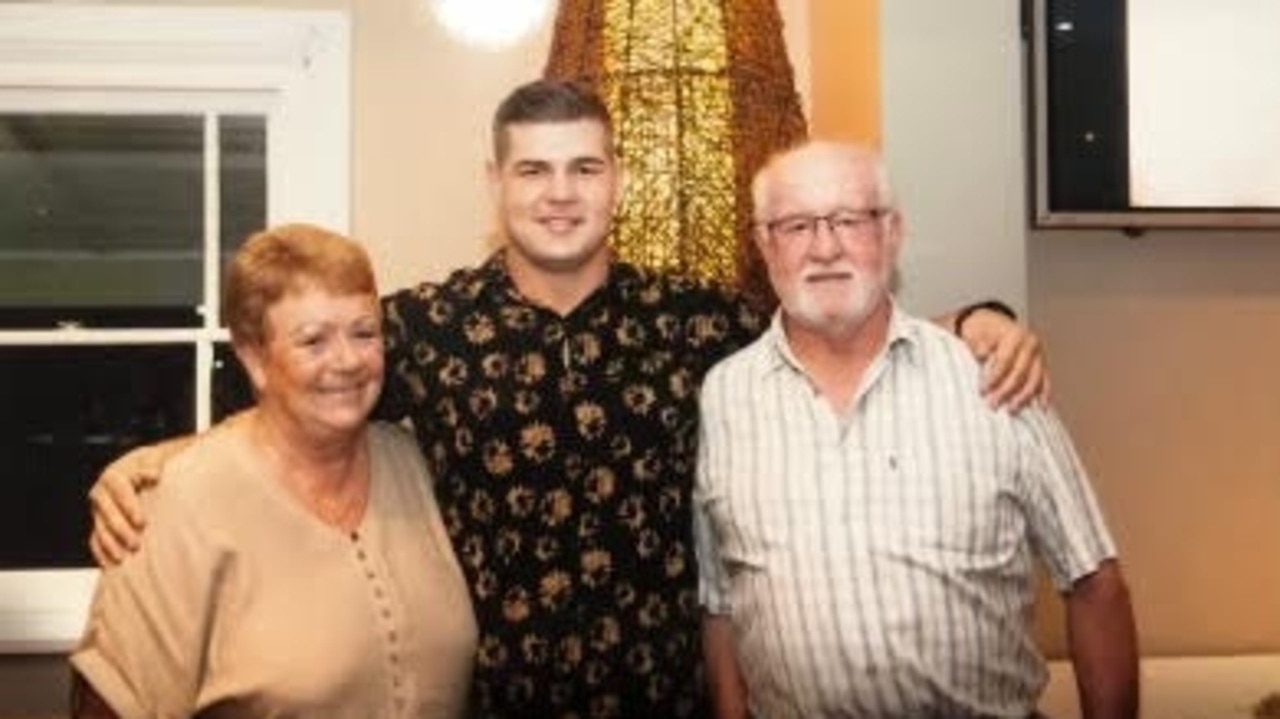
(867, 525)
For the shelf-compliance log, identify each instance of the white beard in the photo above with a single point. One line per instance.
(804, 308)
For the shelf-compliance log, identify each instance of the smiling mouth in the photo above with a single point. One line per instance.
(344, 391)
(560, 224)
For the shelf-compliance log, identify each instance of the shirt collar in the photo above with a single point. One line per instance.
(494, 279)
(902, 341)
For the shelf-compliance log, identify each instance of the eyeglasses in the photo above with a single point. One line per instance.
(844, 224)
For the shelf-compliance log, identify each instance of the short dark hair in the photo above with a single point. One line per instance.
(543, 101)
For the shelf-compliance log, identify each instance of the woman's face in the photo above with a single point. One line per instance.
(320, 364)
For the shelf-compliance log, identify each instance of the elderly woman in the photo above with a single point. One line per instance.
(298, 565)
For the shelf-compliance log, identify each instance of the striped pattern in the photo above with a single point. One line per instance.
(880, 565)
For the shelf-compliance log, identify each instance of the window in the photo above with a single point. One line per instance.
(138, 146)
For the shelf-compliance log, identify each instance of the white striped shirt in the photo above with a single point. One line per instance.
(881, 565)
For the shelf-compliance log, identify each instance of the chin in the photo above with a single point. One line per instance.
(346, 417)
(826, 316)
(561, 255)
(345, 424)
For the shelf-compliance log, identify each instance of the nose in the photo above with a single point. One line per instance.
(563, 187)
(825, 245)
(346, 355)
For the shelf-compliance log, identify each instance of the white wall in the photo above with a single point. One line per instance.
(952, 136)
(1164, 349)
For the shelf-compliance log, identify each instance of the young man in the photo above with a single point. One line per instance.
(867, 525)
(553, 390)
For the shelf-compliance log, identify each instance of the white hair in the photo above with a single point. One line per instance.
(855, 154)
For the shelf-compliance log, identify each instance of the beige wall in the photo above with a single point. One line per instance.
(1164, 349)
(845, 70)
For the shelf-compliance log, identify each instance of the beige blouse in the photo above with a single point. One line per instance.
(241, 603)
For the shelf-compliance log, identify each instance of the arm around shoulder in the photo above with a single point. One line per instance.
(118, 519)
(1012, 356)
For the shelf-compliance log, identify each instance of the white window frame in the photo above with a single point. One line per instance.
(291, 65)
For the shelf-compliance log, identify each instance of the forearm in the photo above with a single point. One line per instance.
(1104, 646)
(954, 320)
(728, 690)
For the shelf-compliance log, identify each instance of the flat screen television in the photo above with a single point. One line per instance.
(1154, 113)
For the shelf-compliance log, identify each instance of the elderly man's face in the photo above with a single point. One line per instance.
(829, 244)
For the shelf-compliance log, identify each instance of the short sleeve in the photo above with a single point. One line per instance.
(713, 579)
(147, 635)
(1065, 520)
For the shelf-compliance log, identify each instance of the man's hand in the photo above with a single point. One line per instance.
(1013, 359)
(114, 500)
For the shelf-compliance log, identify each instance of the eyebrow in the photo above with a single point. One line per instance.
(581, 161)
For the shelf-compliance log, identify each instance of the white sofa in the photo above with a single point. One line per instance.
(1182, 687)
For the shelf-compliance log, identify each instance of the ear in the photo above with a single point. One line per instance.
(251, 359)
(493, 173)
(761, 235)
(624, 179)
(895, 231)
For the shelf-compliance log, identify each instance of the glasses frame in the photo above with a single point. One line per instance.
(845, 224)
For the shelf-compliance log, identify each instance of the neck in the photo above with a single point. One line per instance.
(328, 476)
(560, 290)
(301, 448)
(836, 361)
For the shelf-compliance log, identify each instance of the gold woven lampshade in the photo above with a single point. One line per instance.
(701, 92)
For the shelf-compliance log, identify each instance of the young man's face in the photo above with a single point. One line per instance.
(556, 191)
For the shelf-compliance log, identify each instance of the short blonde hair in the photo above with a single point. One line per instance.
(284, 259)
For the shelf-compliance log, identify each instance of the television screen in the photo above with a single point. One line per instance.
(1155, 113)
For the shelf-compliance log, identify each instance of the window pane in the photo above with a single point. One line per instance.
(232, 391)
(101, 212)
(68, 411)
(243, 180)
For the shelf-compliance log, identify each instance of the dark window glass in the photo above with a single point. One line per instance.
(232, 391)
(1088, 117)
(243, 180)
(67, 412)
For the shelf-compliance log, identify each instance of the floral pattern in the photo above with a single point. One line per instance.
(563, 449)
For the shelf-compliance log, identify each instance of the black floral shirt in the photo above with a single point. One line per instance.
(563, 449)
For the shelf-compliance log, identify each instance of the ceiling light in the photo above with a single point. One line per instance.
(492, 24)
